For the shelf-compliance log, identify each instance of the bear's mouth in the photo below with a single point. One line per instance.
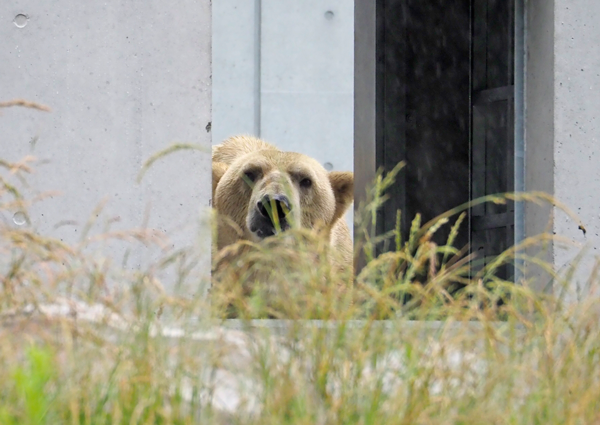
(266, 230)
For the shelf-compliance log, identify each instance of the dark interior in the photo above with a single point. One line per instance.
(444, 105)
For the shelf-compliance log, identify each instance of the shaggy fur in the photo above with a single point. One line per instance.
(318, 199)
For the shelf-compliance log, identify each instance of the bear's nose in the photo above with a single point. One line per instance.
(269, 204)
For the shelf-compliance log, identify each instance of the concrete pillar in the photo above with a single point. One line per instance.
(577, 127)
(563, 128)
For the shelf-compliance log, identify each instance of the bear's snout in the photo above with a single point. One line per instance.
(272, 212)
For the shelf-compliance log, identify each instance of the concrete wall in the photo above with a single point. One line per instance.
(563, 125)
(284, 70)
(577, 125)
(124, 79)
(307, 65)
(236, 68)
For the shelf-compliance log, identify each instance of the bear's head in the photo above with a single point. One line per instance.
(268, 191)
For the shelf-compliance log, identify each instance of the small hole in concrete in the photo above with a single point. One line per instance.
(21, 20)
(329, 15)
(19, 218)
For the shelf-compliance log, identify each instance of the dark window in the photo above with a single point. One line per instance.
(444, 91)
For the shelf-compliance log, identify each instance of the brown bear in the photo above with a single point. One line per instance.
(259, 190)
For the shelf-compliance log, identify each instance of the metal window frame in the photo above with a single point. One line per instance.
(519, 127)
(365, 95)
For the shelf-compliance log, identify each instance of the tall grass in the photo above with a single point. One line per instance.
(78, 349)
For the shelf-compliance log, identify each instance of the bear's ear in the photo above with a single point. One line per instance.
(342, 183)
(218, 169)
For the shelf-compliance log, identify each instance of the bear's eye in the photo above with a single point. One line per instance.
(250, 176)
(305, 183)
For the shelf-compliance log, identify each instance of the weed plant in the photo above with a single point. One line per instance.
(87, 341)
